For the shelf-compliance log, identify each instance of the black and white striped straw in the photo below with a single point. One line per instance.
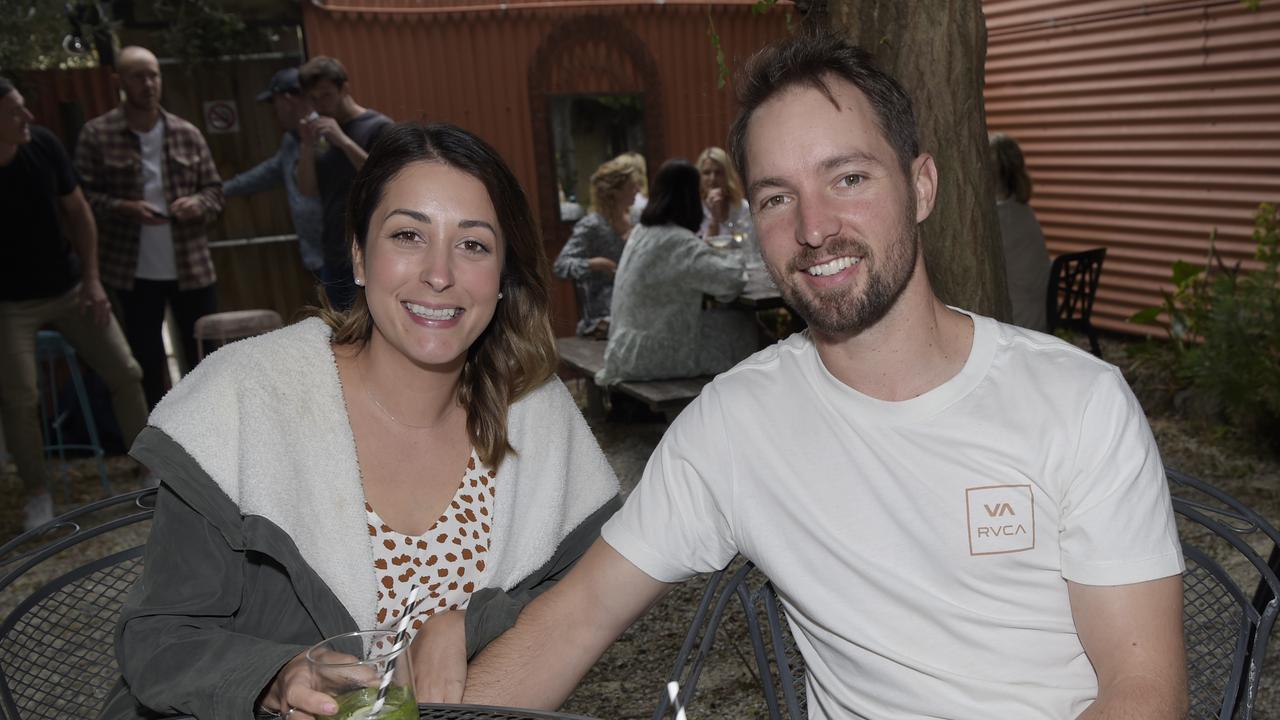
(402, 634)
(673, 692)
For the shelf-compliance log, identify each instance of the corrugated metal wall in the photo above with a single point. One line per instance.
(1146, 125)
(470, 63)
(63, 100)
(472, 68)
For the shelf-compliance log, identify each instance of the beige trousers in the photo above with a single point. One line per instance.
(103, 348)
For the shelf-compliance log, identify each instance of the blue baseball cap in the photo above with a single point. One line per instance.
(285, 81)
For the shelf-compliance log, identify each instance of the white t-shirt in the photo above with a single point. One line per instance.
(155, 242)
(920, 547)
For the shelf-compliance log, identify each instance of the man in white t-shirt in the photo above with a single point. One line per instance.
(963, 518)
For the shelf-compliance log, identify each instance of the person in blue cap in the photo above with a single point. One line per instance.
(291, 105)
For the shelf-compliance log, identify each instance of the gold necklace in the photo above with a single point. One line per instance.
(369, 392)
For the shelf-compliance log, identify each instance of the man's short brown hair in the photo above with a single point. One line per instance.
(322, 67)
(810, 59)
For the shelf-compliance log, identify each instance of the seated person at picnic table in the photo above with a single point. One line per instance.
(313, 475)
(660, 329)
(725, 212)
(1026, 259)
(636, 162)
(962, 518)
(590, 257)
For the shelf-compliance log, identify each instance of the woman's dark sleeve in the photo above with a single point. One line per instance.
(175, 644)
(493, 611)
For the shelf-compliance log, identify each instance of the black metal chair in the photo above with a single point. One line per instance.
(778, 663)
(1229, 597)
(57, 650)
(1073, 283)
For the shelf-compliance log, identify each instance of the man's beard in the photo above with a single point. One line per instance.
(141, 103)
(844, 312)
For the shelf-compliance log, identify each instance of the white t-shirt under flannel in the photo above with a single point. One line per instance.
(921, 548)
(156, 259)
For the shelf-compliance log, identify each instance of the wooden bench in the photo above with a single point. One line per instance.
(584, 357)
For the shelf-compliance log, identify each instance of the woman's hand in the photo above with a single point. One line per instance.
(293, 688)
(439, 653)
(718, 204)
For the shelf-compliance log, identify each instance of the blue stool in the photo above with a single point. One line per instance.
(50, 348)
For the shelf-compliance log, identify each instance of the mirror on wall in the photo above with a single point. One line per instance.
(588, 130)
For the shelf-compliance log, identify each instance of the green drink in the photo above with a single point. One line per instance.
(351, 667)
(358, 705)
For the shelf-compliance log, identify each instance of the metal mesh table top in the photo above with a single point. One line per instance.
(483, 712)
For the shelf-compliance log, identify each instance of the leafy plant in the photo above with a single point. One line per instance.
(32, 34)
(202, 30)
(1222, 356)
(760, 7)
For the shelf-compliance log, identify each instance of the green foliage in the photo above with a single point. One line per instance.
(202, 30)
(1253, 5)
(760, 7)
(31, 34)
(1222, 357)
(722, 67)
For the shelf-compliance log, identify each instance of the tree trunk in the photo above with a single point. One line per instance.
(937, 50)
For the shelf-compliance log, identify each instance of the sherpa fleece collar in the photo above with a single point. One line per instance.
(266, 419)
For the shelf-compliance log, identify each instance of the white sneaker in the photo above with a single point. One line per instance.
(38, 510)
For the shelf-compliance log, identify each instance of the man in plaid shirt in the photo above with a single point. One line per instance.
(153, 187)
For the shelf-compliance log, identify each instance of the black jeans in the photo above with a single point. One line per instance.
(143, 311)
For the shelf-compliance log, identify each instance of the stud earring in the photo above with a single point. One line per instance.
(499, 294)
(359, 282)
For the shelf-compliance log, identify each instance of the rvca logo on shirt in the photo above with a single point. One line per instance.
(1002, 519)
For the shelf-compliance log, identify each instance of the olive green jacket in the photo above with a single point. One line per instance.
(206, 643)
(260, 545)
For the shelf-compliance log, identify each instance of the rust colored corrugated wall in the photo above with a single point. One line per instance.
(63, 100)
(475, 66)
(1146, 125)
(472, 68)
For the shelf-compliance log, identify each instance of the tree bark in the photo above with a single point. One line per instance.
(937, 49)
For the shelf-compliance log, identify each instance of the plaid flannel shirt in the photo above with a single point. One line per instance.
(109, 160)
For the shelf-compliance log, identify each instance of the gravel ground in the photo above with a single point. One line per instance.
(627, 681)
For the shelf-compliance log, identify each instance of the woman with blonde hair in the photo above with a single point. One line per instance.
(590, 257)
(1026, 259)
(313, 477)
(724, 206)
(637, 163)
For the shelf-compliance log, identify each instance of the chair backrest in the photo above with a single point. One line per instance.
(1230, 597)
(1073, 283)
(778, 662)
(57, 657)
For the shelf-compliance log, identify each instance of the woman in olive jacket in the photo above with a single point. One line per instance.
(313, 475)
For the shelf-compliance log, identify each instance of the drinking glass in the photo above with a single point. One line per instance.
(719, 242)
(736, 231)
(350, 669)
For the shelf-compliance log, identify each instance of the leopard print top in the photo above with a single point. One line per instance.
(447, 561)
